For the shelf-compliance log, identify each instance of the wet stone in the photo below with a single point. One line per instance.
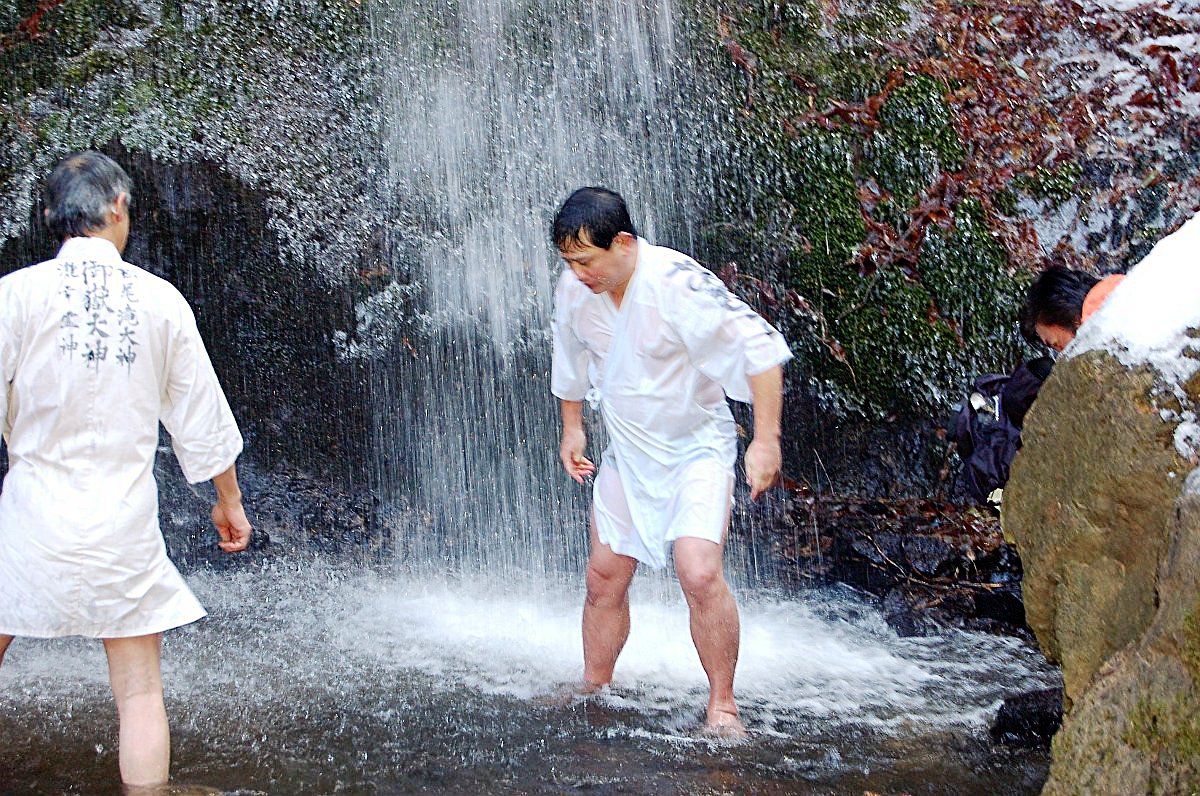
(879, 548)
(931, 565)
(898, 610)
(1003, 605)
(930, 555)
(1029, 719)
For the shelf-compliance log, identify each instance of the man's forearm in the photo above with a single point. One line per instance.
(766, 389)
(572, 415)
(228, 491)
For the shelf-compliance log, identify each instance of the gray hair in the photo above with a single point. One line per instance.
(80, 192)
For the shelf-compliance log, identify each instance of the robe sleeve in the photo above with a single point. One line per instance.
(10, 346)
(569, 371)
(725, 339)
(203, 432)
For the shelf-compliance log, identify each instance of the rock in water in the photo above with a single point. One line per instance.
(1029, 719)
(1104, 505)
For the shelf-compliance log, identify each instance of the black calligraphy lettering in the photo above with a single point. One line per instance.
(95, 353)
(94, 326)
(95, 287)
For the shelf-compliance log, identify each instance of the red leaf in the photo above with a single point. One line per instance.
(1143, 98)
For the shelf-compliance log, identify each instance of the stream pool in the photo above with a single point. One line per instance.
(312, 677)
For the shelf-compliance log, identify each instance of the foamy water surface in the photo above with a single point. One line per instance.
(307, 677)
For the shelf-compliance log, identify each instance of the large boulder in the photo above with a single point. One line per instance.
(1104, 506)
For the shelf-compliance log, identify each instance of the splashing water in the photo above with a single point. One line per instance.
(308, 678)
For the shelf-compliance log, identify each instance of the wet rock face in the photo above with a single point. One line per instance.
(1110, 538)
(931, 565)
(1089, 504)
(268, 323)
(295, 515)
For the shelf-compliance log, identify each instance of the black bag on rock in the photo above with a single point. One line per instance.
(987, 429)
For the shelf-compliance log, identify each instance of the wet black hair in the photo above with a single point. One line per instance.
(80, 191)
(598, 212)
(1055, 299)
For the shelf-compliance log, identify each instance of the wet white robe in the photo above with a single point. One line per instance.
(659, 368)
(94, 352)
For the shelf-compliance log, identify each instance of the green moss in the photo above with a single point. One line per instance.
(911, 337)
(1005, 201)
(189, 70)
(1053, 185)
(64, 53)
(915, 142)
(1189, 651)
(171, 50)
(1170, 732)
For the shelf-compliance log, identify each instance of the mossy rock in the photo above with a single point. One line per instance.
(1108, 526)
(1092, 525)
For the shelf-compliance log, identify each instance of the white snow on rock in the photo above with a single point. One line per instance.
(1127, 59)
(1147, 318)
(1153, 318)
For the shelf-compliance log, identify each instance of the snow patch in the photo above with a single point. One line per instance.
(1153, 318)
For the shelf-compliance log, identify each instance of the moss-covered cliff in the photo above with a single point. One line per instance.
(249, 133)
(898, 289)
(897, 171)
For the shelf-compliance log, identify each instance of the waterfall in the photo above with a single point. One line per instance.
(492, 112)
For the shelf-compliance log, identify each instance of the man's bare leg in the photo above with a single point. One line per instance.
(715, 626)
(605, 611)
(135, 672)
(4, 642)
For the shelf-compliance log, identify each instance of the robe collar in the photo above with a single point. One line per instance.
(88, 248)
(630, 286)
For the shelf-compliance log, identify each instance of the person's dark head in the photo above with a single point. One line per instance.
(1053, 306)
(85, 193)
(591, 216)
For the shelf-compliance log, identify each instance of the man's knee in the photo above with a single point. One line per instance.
(701, 580)
(700, 575)
(606, 586)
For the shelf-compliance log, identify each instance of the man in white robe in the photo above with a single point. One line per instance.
(94, 352)
(656, 343)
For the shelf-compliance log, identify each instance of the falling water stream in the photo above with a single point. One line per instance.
(494, 110)
(443, 667)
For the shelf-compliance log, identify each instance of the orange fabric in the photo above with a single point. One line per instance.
(1097, 295)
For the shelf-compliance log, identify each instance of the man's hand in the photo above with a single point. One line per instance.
(228, 515)
(574, 442)
(763, 460)
(232, 525)
(763, 457)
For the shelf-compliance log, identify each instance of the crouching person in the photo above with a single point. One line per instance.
(94, 353)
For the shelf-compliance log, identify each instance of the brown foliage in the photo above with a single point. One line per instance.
(30, 28)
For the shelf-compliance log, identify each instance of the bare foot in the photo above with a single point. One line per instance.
(590, 688)
(564, 694)
(725, 725)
